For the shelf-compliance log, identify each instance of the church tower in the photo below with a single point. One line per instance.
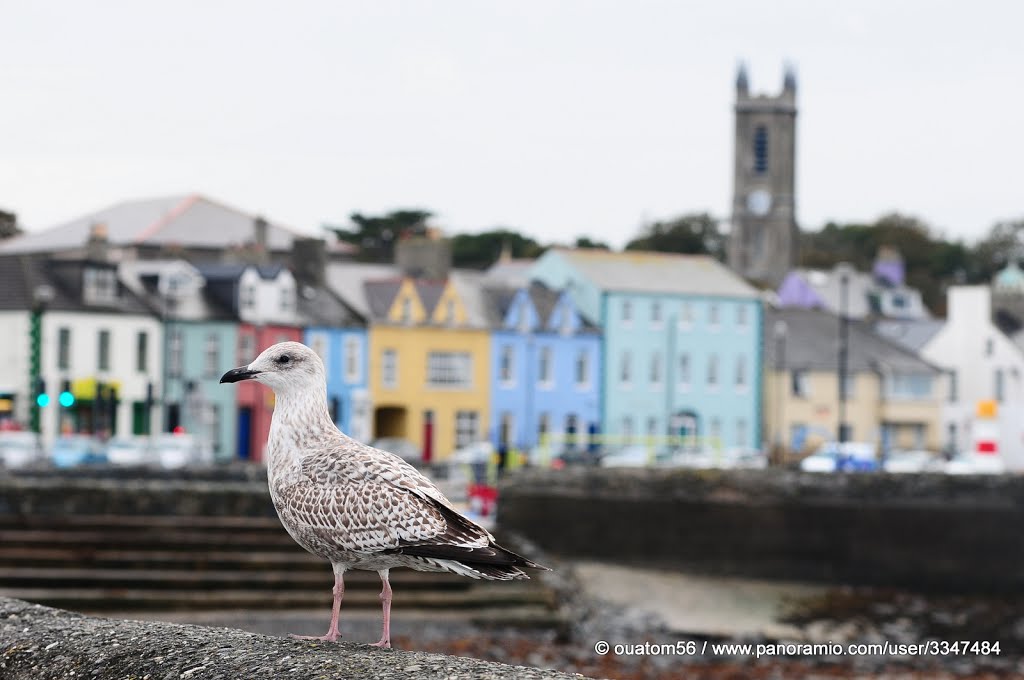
(764, 238)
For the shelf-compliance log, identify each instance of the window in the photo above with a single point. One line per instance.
(466, 423)
(1000, 387)
(389, 369)
(449, 311)
(625, 370)
(450, 369)
(799, 384)
(909, 386)
(713, 315)
(211, 356)
(287, 299)
(713, 371)
(247, 299)
(246, 348)
(989, 347)
(142, 352)
(406, 310)
(627, 429)
(100, 286)
(715, 431)
(684, 371)
(656, 314)
(656, 370)
(543, 427)
(953, 387)
(627, 311)
(103, 343)
(760, 149)
(506, 429)
(544, 369)
(686, 315)
(565, 327)
(582, 368)
(741, 433)
(506, 368)
(64, 349)
(524, 319)
(319, 344)
(741, 373)
(175, 352)
(215, 425)
(741, 315)
(652, 426)
(353, 350)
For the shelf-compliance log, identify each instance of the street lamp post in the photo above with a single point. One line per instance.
(780, 367)
(41, 296)
(844, 270)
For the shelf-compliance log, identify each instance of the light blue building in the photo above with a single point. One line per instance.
(344, 353)
(682, 343)
(546, 368)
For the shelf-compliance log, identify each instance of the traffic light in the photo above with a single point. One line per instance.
(42, 398)
(66, 398)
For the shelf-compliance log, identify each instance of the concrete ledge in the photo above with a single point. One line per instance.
(939, 532)
(39, 643)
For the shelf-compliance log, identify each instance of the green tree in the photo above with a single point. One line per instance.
(695, 233)
(479, 251)
(587, 242)
(1003, 243)
(375, 236)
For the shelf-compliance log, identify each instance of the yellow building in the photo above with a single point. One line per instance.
(893, 398)
(429, 364)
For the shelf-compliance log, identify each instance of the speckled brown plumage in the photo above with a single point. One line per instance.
(354, 505)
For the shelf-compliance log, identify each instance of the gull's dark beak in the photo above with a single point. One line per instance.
(237, 374)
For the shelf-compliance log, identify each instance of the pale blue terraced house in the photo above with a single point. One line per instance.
(545, 367)
(682, 343)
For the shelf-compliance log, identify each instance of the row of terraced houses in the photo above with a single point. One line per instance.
(143, 305)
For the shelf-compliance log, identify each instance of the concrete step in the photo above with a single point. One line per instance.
(210, 579)
(95, 599)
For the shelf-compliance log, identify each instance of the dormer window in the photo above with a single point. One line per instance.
(524, 320)
(248, 297)
(287, 299)
(100, 286)
(449, 311)
(406, 311)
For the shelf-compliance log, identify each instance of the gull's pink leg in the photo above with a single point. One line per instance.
(385, 598)
(339, 592)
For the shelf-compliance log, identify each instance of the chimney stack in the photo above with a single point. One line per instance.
(309, 260)
(97, 247)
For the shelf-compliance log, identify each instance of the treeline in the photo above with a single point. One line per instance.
(932, 261)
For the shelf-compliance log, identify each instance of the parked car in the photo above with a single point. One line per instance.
(403, 448)
(912, 461)
(77, 449)
(130, 451)
(845, 457)
(178, 450)
(18, 449)
(974, 464)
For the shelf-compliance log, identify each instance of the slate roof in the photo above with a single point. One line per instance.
(20, 275)
(498, 299)
(511, 272)
(188, 221)
(911, 334)
(346, 279)
(430, 293)
(812, 342)
(647, 272)
(380, 296)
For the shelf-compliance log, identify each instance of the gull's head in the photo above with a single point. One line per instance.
(283, 367)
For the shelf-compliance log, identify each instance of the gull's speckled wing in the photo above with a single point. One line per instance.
(369, 501)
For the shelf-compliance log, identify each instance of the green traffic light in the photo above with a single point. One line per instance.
(66, 399)
(43, 400)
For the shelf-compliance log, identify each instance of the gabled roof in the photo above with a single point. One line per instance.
(812, 340)
(511, 272)
(647, 272)
(913, 334)
(187, 221)
(380, 295)
(497, 299)
(347, 280)
(430, 293)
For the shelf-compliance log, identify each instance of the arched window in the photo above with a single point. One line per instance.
(760, 149)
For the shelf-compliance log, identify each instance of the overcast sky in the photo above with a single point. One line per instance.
(555, 118)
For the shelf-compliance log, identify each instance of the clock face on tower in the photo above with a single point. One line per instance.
(759, 202)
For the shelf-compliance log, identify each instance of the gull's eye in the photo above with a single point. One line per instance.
(284, 359)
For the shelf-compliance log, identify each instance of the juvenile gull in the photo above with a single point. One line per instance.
(354, 505)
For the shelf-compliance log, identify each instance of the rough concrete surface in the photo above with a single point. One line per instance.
(39, 643)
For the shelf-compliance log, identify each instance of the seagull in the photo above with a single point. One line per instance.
(354, 505)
